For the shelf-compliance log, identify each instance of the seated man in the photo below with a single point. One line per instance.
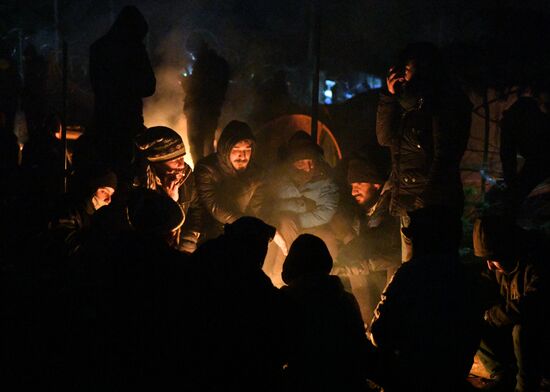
(428, 312)
(166, 172)
(514, 346)
(371, 258)
(304, 198)
(229, 183)
(92, 189)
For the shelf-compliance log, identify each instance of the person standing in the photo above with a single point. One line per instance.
(524, 130)
(425, 121)
(121, 75)
(205, 91)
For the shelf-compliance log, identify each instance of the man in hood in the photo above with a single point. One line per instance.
(229, 183)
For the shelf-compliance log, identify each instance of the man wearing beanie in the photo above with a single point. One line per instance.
(166, 172)
(515, 341)
(371, 258)
(304, 198)
(229, 183)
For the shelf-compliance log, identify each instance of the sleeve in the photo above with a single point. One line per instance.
(530, 304)
(327, 203)
(211, 197)
(257, 204)
(387, 117)
(190, 231)
(387, 323)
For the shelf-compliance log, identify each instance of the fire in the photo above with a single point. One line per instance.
(166, 106)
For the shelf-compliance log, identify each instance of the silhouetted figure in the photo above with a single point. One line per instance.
(93, 189)
(10, 91)
(34, 100)
(239, 313)
(329, 350)
(121, 75)
(42, 160)
(515, 341)
(427, 324)
(524, 130)
(167, 172)
(373, 255)
(424, 118)
(129, 290)
(205, 91)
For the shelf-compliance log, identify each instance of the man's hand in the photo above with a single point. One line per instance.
(281, 243)
(392, 79)
(309, 204)
(172, 183)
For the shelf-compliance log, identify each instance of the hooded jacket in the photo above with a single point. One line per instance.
(225, 193)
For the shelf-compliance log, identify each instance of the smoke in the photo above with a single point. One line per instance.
(165, 107)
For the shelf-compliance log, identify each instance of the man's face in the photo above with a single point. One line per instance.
(303, 170)
(240, 155)
(170, 171)
(410, 70)
(102, 197)
(305, 165)
(364, 192)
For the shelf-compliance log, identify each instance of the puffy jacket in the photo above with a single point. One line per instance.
(224, 193)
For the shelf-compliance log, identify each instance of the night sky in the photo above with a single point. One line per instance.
(356, 34)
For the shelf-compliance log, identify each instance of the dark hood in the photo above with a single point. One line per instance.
(233, 133)
(308, 255)
(130, 24)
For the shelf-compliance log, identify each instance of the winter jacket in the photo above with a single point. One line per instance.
(190, 205)
(378, 240)
(427, 138)
(68, 226)
(291, 197)
(206, 87)
(226, 194)
(523, 295)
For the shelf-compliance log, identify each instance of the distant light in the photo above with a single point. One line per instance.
(328, 93)
(330, 83)
(348, 95)
(374, 82)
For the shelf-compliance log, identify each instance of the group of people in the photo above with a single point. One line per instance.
(219, 276)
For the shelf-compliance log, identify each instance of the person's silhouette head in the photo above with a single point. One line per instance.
(308, 255)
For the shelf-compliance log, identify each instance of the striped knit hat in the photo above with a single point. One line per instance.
(160, 144)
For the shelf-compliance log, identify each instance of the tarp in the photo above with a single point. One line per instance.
(277, 132)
